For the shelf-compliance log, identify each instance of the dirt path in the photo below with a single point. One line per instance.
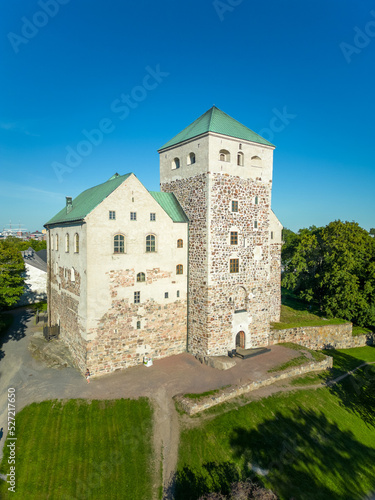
(166, 439)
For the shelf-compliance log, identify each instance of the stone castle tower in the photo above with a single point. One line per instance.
(221, 173)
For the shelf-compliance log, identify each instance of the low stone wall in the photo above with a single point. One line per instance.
(322, 337)
(192, 406)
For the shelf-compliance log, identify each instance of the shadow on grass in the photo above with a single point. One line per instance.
(289, 299)
(13, 326)
(302, 456)
(356, 393)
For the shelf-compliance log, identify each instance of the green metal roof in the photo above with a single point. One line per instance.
(88, 200)
(170, 205)
(215, 120)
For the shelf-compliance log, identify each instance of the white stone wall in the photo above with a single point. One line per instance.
(207, 149)
(35, 286)
(102, 261)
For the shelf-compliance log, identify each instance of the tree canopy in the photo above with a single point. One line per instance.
(335, 267)
(11, 269)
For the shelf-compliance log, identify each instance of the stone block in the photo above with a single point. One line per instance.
(221, 362)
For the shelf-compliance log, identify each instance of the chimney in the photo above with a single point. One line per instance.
(69, 204)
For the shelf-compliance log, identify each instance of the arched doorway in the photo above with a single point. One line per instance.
(240, 339)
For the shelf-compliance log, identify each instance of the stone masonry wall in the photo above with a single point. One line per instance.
(275, 282)
(119, 344)
(211, 285)
(192, 195)
(252, 251)
(193, 406)
(322, 337)
(129, 331)
(64, 303)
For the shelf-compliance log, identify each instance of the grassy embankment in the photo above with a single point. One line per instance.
(309, 444)
(296, 312)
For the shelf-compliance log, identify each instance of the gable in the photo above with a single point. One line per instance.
(85, 202)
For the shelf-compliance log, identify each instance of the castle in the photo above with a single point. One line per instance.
(134, 273)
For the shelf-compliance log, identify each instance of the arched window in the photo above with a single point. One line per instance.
(141, 277)
(67, 242)
(180, 243)
(240, 159)
(256, 161)
(191, 159)
(150, 243)
(256, 200)
(52, 243)
(138, 325)
(179, 269)
(175, 163)
(57, 241)
(224, 155)
(72, 275)
(119, 243)
(76, 243)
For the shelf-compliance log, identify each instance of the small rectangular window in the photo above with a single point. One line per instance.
(137, 297)
(234, 206)
(234, 266)
(133, 215)
(178, 293)
(152, 216)
(271, 235)
(255, 224)
(112, 215)
(234, 238)
(138, 325)
(166, 295)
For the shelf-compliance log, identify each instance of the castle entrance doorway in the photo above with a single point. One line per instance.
(240, 339)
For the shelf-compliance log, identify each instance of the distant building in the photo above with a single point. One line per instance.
(35, 277)
(197, 266)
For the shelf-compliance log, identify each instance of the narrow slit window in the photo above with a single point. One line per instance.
(76, 243)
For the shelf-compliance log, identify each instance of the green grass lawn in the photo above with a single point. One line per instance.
(310, 444)
(83, 450)
(296, 312)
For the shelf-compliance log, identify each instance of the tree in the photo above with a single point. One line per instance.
(11, 279)
(335, 267)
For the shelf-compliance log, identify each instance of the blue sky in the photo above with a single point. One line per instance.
(66, 66)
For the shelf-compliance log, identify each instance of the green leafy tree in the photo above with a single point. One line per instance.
(335, 267)
(11, 279)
